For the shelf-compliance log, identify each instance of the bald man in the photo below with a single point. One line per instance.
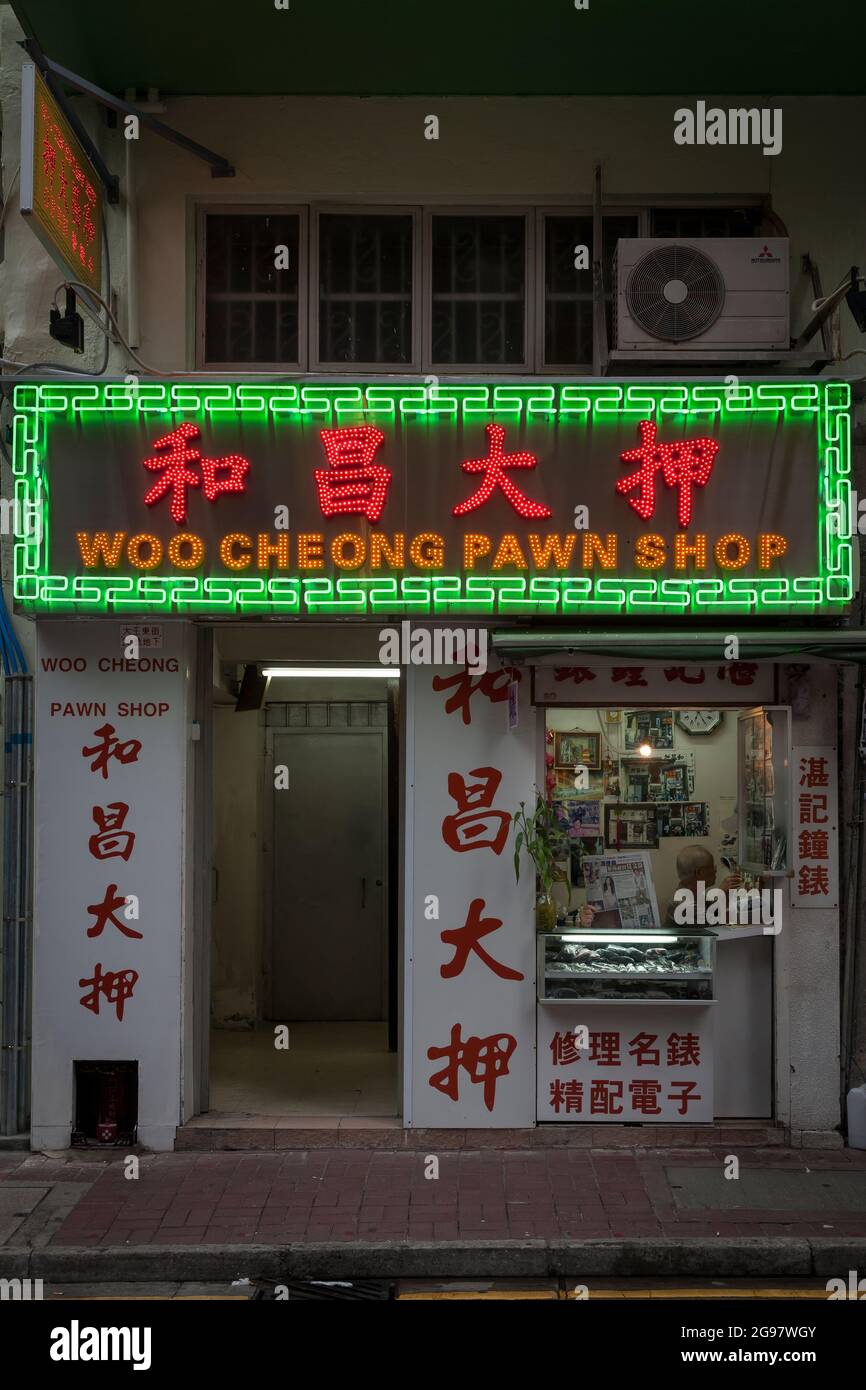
(696, 865)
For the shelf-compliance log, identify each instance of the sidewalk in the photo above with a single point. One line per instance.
(196, 1215)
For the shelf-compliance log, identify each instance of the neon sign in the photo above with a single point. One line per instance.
(750, 507)
(60, 192)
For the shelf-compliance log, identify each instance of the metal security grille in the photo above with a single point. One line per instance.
(479, 289)
(324, 714)
(365, 288)
(568, 291)
(251, 307)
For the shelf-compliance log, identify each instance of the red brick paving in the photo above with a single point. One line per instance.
(373, 1195)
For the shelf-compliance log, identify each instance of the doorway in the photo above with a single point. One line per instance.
(325, 836)
(303, 989)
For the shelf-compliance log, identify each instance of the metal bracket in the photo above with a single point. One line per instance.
(220, 167)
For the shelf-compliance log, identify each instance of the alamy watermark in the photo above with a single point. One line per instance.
(739, 907)
(737, 126)
(441, 646)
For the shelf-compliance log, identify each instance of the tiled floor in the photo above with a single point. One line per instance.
(328, 1069)
(364, 1195)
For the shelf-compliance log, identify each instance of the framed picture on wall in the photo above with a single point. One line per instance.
(651, 726)
(631, 827)
(577, 748)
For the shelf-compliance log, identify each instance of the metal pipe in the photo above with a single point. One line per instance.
(16, 938)
(552, 639)
(132, 330)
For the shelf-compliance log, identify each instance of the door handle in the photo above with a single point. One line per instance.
(363, 892)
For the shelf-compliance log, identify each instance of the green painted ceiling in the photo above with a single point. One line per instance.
(457, 47)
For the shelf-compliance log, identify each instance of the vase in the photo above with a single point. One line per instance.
(545, 913)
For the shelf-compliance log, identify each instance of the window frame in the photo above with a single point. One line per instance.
(543, 211)
(422, 214)
(317, 210)
(522, 209)
(205, 210)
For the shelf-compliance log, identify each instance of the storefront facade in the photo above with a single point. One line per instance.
(372, 405)
(487, 516)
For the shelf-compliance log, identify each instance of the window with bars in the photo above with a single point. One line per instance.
(703, 222)
(365, 288)
(568, 291)
(478, 290)
(251, 308)
(489, 279)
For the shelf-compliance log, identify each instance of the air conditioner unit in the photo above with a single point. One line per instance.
(708, 296)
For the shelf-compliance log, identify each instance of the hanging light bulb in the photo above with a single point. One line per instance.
(645, 750)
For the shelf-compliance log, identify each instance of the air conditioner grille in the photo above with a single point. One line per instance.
(675, 293)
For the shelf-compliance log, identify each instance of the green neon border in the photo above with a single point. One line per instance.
(826, 403)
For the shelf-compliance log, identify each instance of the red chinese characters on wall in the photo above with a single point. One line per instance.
(112, 840)
(476, 825)
(812, 831)
(612, 1096)
(492, 685)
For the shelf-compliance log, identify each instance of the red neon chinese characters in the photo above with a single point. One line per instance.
(493, 685)
(494, 469)
(115, 987)
(483, 1059)
(352, 484)
(684, 464)
(475, 815)
(175, 453)
(104, 913)
(111, 841)
(467, 939)
(111, 747)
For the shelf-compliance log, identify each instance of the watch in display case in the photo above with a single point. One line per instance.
(658, 966)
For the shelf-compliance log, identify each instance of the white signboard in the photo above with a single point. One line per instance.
(619, 1064)
(110, 773)
(631, 682)
(472, 949)
(816, 838)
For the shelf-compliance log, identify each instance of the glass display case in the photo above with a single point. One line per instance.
(658, 966)
(764, 799)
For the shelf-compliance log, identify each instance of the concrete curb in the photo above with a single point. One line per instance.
(691, 1257)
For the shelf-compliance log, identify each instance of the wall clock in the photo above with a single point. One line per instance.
(699, 721)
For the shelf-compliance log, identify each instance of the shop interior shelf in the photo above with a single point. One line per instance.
(624, 975)
(644, 1003)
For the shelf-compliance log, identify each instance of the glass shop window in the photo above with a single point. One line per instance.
(700, 222)
(365, 288)
(478, 290)
(568, 290)
(251, 307)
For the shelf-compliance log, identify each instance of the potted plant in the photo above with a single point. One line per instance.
(539, 835)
